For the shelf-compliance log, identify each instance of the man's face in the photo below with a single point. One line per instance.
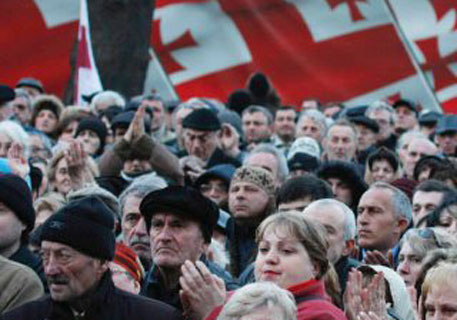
(333, 219)
(10, 231)
(365, 137)
(200, 143)
(69, 273)
(341, 190)
(246, 200)
(134, 229)
(285, 124)
(255, 127)
(377, 226)
(424, 203)
(158, 112)
(266, 161)
(21, 110)
(405, 119)
(340, 143)
(37, 148)
(174, 240)
(447, 142)
(417, 149)
(307, 127)
(136, 166)
(383, 118)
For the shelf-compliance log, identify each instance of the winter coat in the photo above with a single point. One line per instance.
(106, 303)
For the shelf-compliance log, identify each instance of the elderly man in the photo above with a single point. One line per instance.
(271, 159)
(383, 114)
(134, 233)
(339, 221)
(418, 148)
(257, 125)
(77, 244)
(340, 142)
(384, 213)
(312, 124)
(180, 222)
(22, 107)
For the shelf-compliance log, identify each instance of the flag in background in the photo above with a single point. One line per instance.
(87, 79)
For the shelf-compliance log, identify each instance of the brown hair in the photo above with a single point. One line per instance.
(309, 233)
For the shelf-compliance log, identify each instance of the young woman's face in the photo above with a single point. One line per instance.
(409, 264)
(282, 259)
(90, 140)
(46, 121)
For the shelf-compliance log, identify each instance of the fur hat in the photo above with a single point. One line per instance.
(255, 175)
(46, 102)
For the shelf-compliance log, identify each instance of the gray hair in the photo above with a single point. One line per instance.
(422, 245)
(317, 116)
(108, 96)
(400, 202)
(380, 105)
(16, 133)
(349, 217)
(140, 187)
(283, 169)
(255, 108)
(408, 136)
(254, 296)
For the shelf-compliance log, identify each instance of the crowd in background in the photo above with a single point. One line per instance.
(237, 209)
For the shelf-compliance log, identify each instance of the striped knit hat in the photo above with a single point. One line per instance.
(127, 259)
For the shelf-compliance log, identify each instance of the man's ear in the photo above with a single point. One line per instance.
(402, 224)
(349, 246)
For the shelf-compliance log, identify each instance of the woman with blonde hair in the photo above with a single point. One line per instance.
(292, 253)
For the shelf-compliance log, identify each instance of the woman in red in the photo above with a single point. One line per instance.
(292, 253)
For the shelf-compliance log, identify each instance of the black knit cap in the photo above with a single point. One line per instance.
(182, 201)
(96, 125)
(16, 195)
(85, 225)
(202, 119)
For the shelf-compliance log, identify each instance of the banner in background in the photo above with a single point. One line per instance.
(354, 51)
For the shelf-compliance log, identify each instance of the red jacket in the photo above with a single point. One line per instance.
(312, 303)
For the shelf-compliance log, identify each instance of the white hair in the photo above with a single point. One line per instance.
(108, 96)
(16, 133)
(254, 296)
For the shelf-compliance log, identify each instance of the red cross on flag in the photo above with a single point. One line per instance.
(87, 79)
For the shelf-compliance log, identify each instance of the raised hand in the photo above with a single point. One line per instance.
(136, 127)
(201, 292)
(17, 161)
(229, 140)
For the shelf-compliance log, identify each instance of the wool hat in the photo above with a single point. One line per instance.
(96, 125)
(183, 201)
(255, 175)
(6, 94)
(406, 185)
(126, 258)
(232, 118)
(86, 225)
(16, 195)
(30, 82)
(202, 119)
(429, 118)
(306, 145)
(303, 161)
(222, 171)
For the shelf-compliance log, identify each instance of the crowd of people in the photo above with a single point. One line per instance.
(245, 209)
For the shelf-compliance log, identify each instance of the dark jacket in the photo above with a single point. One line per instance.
(26, 257)
(153, 286)
(342, 268)
(241, 246)
(107, 302)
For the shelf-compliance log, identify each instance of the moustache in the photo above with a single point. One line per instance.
(139, 240)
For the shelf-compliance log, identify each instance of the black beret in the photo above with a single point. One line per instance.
(367, 122)
(183, 201)
(405, 103)
(303, 161)
(202, 119)
(86, 225)
(30, 82)
(429, 118)
(96, 125)
(221, 171)
(16, 195)
(354, 111)
(6, 94)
